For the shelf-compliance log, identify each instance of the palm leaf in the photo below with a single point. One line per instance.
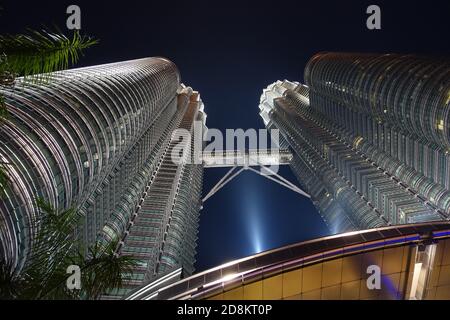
(10, 282)
(101, 271)
(52, 246)
(44, 276)
(104, 269)
(39, 53)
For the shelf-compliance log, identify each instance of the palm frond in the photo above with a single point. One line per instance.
(52, 247)
(41, 52)
(55, 235)
(7, 78)
(105, 270)
(44, 276)
(56, 286)
(10, 282)
(101, 271)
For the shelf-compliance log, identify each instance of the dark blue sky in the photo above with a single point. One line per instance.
(230, 51)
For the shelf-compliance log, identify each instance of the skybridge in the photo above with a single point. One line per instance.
(261, 161)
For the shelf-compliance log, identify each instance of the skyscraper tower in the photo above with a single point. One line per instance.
(97, 139)
(370, 136)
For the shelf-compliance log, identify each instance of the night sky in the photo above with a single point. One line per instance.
(229, 51)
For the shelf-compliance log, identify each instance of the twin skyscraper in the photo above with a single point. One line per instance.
(369, 134)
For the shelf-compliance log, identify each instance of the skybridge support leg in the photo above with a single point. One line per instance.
(265, 172)
(222, 182)
(280, 180)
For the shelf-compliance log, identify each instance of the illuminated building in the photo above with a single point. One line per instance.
(97, 139)
(413, 261)
(370, 137)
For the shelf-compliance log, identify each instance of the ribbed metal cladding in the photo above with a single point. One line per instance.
(340, 206)
(410, 93)
(356, 181)
(82, 140)
(162, 232)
